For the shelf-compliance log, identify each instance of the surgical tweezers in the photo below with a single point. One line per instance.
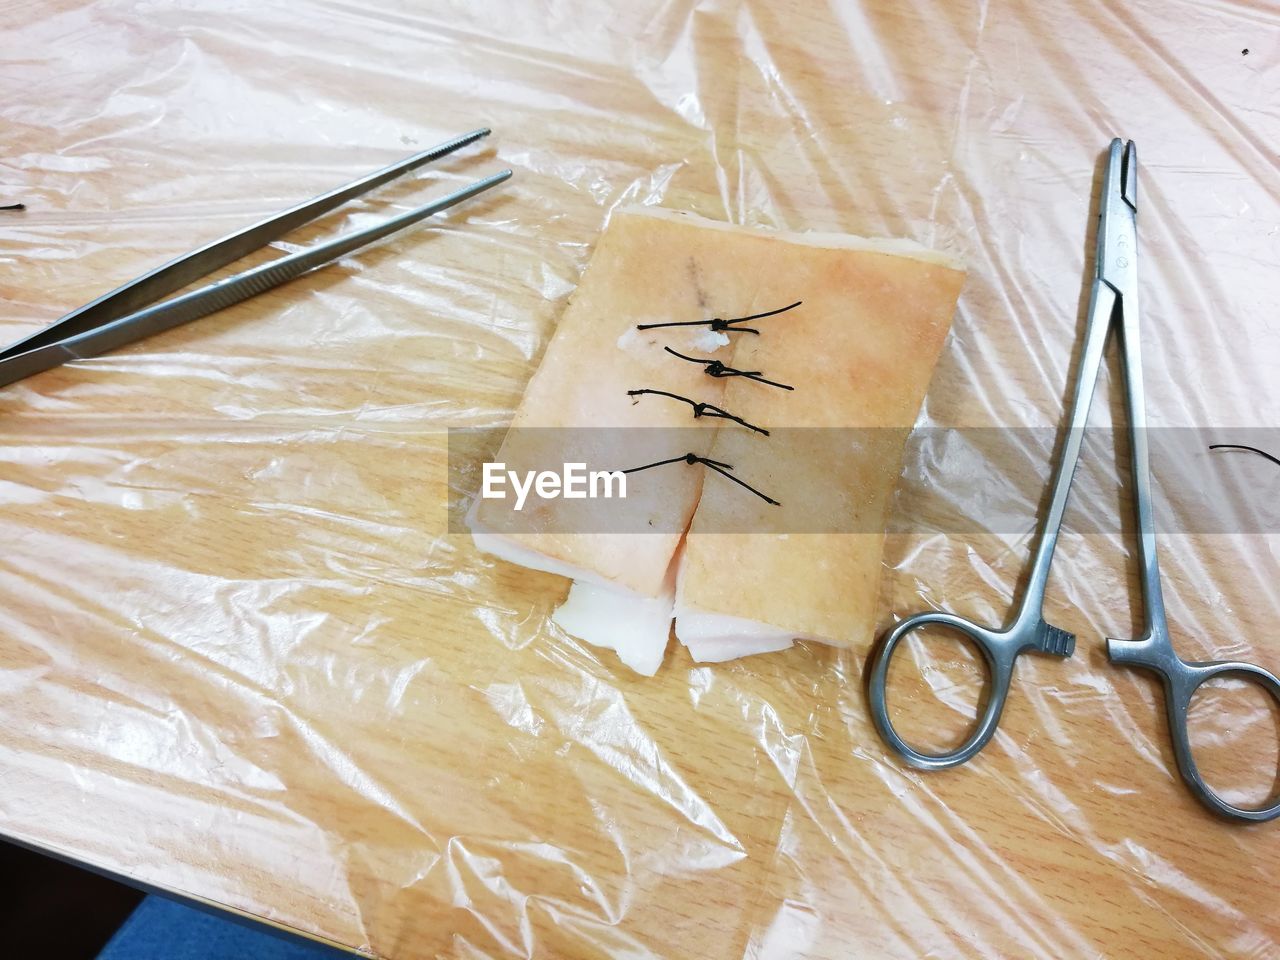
(1113, 305)
(130, 312)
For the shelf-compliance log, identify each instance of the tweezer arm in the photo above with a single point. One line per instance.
(223, 293)
(179, 272)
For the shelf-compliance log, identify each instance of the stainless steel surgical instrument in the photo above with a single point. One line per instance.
(130, 312)
(1113, 302)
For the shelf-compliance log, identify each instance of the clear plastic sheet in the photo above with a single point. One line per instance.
(242, 659)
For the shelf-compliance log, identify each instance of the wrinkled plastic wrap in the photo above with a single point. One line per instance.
(243, 660)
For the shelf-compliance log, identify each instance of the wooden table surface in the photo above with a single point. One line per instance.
(242, 658)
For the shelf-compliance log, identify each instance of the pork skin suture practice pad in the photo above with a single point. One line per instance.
(787, 370)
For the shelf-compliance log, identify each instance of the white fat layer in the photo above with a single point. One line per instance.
(716, 637)
(496, 545)
(732, 648)
(601, 613)
(636, 627)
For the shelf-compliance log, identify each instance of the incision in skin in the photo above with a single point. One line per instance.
(696, 281)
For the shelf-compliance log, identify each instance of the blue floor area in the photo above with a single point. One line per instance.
(161, 929)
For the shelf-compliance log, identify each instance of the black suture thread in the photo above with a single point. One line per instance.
(686, 458)
(716, 465)
(742, 483)
(717, 369)
(1241, 446)
(716, 324)
(721, 325)
(699, 409)
(14, 206)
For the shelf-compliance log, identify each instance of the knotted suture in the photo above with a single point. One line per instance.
(720, 325)
(700, 409)
(715, 368)
(718, 466)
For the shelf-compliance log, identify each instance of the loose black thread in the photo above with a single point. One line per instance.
(721, 325)
(1241, 446)
(14, 206)
(717, 369)
(718, 466)
(699, 409)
